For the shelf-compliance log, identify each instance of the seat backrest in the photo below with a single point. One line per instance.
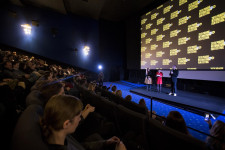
(34, 98)
(27, 133)
(114, 98)
(133, 124)
(135, 107)
(103, 106)
(162, 137)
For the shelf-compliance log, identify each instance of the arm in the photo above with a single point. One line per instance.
(100, 144)
(88, 109)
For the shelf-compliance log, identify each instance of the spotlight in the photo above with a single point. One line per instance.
(86, 50)
(100, 67)
(26, 28)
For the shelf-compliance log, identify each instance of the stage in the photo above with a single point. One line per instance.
(203, 101)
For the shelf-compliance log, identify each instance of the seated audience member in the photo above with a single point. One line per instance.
(176, 121)
(44, 93)
(83, 82)
(128, 98)
(7, 71)
(114, 89)
(18, 73)
(61, 117)
(105, 88)
(142, 102)
(46, 76)
(91, 87)
(119, 93)
(217, 131)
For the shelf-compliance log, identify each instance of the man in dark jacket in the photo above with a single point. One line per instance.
(173, 75)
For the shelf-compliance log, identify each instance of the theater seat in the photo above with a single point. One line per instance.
(132, 126)
(34, 98)
(27, 133)
(161, 137)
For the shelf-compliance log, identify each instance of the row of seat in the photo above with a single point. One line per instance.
(146, 133)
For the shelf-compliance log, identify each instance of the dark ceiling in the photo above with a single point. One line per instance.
(111, 10)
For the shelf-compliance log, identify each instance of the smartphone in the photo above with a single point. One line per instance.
(206, 117)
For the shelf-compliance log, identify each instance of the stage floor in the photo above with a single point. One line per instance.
(212, 103)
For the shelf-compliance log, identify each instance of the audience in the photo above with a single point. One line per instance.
(61, 117)
(128, 98)
(114, 89)
(91, 87)
(176, 121)
(119, 93)
(217, 130)
(41, 81)
(142, 102)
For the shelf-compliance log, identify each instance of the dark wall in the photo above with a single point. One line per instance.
(133, 36)
(71, 32)
(112, 49)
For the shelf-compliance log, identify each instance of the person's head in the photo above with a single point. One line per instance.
(174, 67)
(5, 58)
(176, 121)
(91, 87)
(61, 114)
(159, 70)
(52, 88)
(83, 82)
(142, 102)
(11, 58)
(33, 66)
(114, 88)
(104, 87)
(119, 93)
(217, 131)
(128, 98)
(16, 65)
(8, 65)
(48, 75)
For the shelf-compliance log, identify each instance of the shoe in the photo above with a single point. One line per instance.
(170, 93)
(174, 94)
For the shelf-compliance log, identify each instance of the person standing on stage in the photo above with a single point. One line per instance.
(148, 79)
(159, 76)
(100, 78)
(174, 74)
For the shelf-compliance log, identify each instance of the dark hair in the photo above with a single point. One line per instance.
(176, 121)
(57, 110)
(142, 102)
(128, 98)
(114, 88)
(119, 93)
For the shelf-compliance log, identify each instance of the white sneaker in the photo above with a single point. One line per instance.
(170, 93)
(174, 94)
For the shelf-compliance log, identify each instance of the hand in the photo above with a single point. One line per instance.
(89, 108)
(120, 146)
(208, 121)
(113, 139)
